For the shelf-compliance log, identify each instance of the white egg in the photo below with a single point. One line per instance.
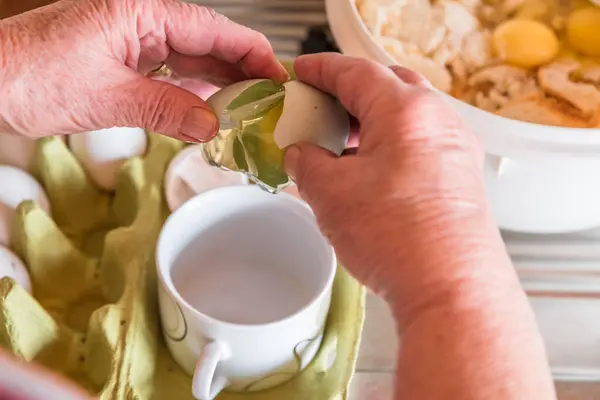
(11, 266)
(188, 175)
(17, 186)
(309, 115)
(103, 152)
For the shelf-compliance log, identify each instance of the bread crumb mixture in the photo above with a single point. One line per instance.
(530, 60)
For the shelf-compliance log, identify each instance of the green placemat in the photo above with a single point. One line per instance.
(95, 318)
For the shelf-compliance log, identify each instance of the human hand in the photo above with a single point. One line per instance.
(77, 66)
(412, 197)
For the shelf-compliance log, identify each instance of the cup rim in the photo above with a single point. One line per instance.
(237, 192)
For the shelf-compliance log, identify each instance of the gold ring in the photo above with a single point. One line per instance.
(162, 69)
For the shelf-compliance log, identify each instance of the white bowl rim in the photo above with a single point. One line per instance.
(541, 137)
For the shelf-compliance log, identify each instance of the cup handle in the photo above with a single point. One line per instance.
(206, 383)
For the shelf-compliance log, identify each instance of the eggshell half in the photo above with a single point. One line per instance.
(13, 267)
(189, 175)
(103, 152)
(221, 99)
(17, 186)
(310, 115)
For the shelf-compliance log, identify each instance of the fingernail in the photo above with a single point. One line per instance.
(189, 139)
(200, 124)
(410, 76)
(292, 155)
(284, 73)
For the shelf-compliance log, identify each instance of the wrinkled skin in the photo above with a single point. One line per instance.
(407, 215)
(79, 65)
(416, 175)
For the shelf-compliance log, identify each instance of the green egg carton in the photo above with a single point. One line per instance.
(94, 315)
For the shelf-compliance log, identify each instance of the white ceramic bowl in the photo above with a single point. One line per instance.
(539, 179)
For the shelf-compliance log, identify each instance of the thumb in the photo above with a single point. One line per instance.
(164, 108)
(308, 166)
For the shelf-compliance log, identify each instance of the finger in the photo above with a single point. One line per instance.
(195, 30)
(160, 107)
(207, 68)
(154, 51)
(302, 161)
(344, 77)
(409, 76)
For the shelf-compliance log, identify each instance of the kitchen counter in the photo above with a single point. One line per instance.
(375, 370)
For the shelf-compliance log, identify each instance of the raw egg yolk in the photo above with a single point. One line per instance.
(525, 43)
(269, 151)
(583, 31)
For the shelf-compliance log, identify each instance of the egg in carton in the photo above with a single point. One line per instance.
(94, 317)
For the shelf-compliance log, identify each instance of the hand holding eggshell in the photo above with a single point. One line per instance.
(259, 119)
(17, 186)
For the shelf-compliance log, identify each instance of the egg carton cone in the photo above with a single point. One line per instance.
(94, 317)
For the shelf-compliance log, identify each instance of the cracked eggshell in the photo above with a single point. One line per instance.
(221, 99)
(17, 186)
(102, 153)
(189, 175)
(309, 115)
(11, 266)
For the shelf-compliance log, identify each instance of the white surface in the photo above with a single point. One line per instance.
(17, 186)
(188, 175)
(377, 359)
(551, 184)
(11, 266)
(260, 342)
(103, 152)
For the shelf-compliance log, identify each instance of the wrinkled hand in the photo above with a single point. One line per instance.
(414, 186)
(80, 65)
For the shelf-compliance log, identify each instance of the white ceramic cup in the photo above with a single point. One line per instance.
(245, 282)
